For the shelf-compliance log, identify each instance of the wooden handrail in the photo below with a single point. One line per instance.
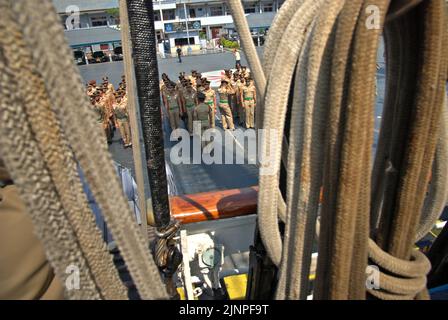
(214, 205)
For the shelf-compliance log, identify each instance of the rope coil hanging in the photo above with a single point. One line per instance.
(324, 54)
(29, 165)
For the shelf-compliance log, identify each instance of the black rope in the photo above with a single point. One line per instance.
(143, 38)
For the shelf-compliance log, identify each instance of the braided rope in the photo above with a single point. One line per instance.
(59, 160)
(398, 227)
(339, 77)
(20, 152)
(349, 203)
(437, 196)
(404, 279)
(68, 101)
(305, 159)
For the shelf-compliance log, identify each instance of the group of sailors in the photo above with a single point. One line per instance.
(192, 99)
(110, 106)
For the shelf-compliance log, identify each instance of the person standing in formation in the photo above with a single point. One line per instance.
(225, 90)
(100, 112)
(180, 87)
(245, 72)
(233, 97)
(91, 88)
(104, 102)
(122, 118)
(249, 96)
(110, 101)
(202, 114)
(173, 105)
(192, 78)
(210, 99)
(190, 102)
(241, 110)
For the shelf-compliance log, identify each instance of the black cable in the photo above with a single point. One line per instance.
(143, 38)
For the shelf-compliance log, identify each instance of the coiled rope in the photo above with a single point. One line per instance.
(33, 169)
(324, 54)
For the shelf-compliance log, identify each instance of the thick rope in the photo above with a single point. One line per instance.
(341, 55)
(349, 204)
(305, 160)
(437, 196)
(59, 160)
(398, 227)
(68, 101)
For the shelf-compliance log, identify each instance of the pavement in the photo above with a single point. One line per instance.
(195, 178)
(170, 66)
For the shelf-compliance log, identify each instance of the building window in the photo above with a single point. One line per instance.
(216, 11)
(249, 8)
(268, 7)
(169, 14)
(156, 15)
(192, 12)
(200, 12)
(64, 21)
(183, 41)
(98, 21)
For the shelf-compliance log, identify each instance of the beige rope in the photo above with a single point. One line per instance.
(59, 160)
(437, 196)
(345, 220)
(404, 279)
(306, 152)
(68, 101)
(341, 61)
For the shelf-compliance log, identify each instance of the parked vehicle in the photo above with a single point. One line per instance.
(118, 54)
(99, 57)
(79, 57)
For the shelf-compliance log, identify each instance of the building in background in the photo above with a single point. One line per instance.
(259, 24)
(177, 22)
